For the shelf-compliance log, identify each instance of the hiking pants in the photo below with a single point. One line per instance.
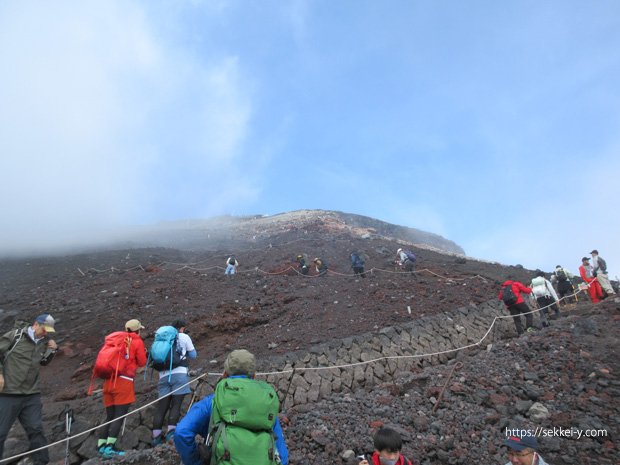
(409, 266)
(359, 270)
(28, 410)
(169, 402)
(605, 284)
(516, 310)
(112, 412)
(230, 269)
(547, 302)
(564, 288)
(595, 291)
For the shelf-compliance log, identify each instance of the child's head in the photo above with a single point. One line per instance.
(388, 444)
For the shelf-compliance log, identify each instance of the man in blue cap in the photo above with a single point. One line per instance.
(523, 451)
(22, 352)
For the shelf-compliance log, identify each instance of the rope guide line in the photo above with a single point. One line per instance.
(293, 370)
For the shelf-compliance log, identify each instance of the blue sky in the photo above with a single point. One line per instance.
(494, 124)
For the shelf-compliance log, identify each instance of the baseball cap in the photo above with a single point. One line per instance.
(133, 325)
(240, 362)
(47, 322)
(585, 259)
(594, 251)
(518, 444)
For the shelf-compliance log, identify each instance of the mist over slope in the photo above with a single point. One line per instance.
(236, 231)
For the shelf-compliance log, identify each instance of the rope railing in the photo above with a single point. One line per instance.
(299, 369)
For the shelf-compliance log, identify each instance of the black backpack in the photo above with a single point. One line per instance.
(561, 275)
(508, 295)
(232, 260)
(356, 260)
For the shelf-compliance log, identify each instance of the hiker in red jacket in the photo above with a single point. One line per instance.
(510, 294)
(594, 288)
(119, 393)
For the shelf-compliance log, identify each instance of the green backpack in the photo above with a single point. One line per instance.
(241, 425)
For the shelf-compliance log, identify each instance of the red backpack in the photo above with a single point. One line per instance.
(113, 356)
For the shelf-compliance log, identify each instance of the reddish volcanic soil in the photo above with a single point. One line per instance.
(267, 307)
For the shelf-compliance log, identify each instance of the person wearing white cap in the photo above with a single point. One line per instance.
(22, 352)
(118, 392)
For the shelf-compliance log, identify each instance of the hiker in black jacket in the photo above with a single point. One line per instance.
(357, 263)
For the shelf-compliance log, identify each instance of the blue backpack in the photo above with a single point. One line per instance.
(164, 353)
(410, 255)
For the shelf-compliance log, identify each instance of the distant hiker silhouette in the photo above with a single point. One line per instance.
(357, 263)
(407, 259)
(302, 261)
(231, 265)
(321, 266)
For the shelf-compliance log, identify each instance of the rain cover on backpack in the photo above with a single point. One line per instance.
(112, 358)
(164, 354)
(242, 420)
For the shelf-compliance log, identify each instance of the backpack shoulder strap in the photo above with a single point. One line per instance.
(17, 335)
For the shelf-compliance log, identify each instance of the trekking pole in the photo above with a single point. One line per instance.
(68, 414)
(195, 393)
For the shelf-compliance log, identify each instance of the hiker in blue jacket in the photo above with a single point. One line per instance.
(238, 364)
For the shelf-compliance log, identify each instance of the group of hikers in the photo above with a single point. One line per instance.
(404, 258)
(240, 418)
(594, 276)
(238, 423)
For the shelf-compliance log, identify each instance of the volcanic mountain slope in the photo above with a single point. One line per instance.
(267, 308)
(236, 232)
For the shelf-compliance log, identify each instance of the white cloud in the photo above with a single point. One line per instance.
(562, 224)
(99, 108)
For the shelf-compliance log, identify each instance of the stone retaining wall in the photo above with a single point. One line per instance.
(447, 331)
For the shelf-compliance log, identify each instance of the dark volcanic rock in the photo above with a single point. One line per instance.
(570, 368)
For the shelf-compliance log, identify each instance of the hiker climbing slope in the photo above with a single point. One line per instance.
(117, 362)
(173, 370)
(240, 419)
(510, 294)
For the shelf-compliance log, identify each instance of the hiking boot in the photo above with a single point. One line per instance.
(104, 452)
(112, 451)
(157, 441)
(170, 436)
